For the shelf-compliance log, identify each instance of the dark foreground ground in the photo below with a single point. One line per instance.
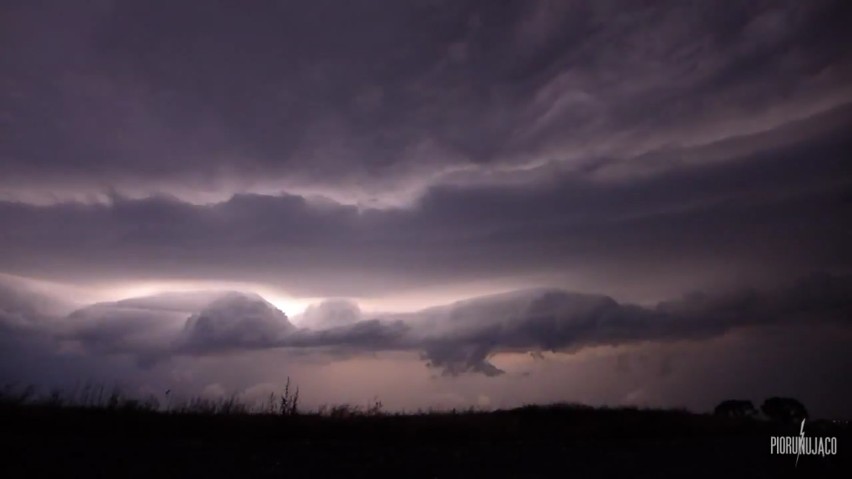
(558, 441)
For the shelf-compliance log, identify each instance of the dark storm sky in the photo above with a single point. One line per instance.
(406, 154)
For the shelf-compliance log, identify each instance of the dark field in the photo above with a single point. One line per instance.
(44, 440)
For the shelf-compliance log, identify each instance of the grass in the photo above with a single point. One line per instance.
(100, 432)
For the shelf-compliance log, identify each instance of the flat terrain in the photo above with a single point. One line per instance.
(552, 441)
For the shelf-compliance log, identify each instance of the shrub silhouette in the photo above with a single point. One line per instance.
(289, 405)
(784, 409)
(735, 408)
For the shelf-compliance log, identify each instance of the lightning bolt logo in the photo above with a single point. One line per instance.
(801, 442)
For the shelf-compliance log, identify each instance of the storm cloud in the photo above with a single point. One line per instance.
(371, 104)
(455, 338)
(780, 213)
(456, 182)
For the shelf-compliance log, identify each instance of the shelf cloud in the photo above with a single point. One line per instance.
(224, 191)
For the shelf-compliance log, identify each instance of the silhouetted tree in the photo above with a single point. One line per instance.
(784, 409)
(735, 408)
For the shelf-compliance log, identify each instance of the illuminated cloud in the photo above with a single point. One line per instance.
(590, 161)
(455, 338)
(374, 104)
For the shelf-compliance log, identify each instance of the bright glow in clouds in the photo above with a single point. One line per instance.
(632, 174)
(290, 305)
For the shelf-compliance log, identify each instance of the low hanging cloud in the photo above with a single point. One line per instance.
(234, 321)
(330, 313)
(453, 339)
(462, 336)
(117, 327)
